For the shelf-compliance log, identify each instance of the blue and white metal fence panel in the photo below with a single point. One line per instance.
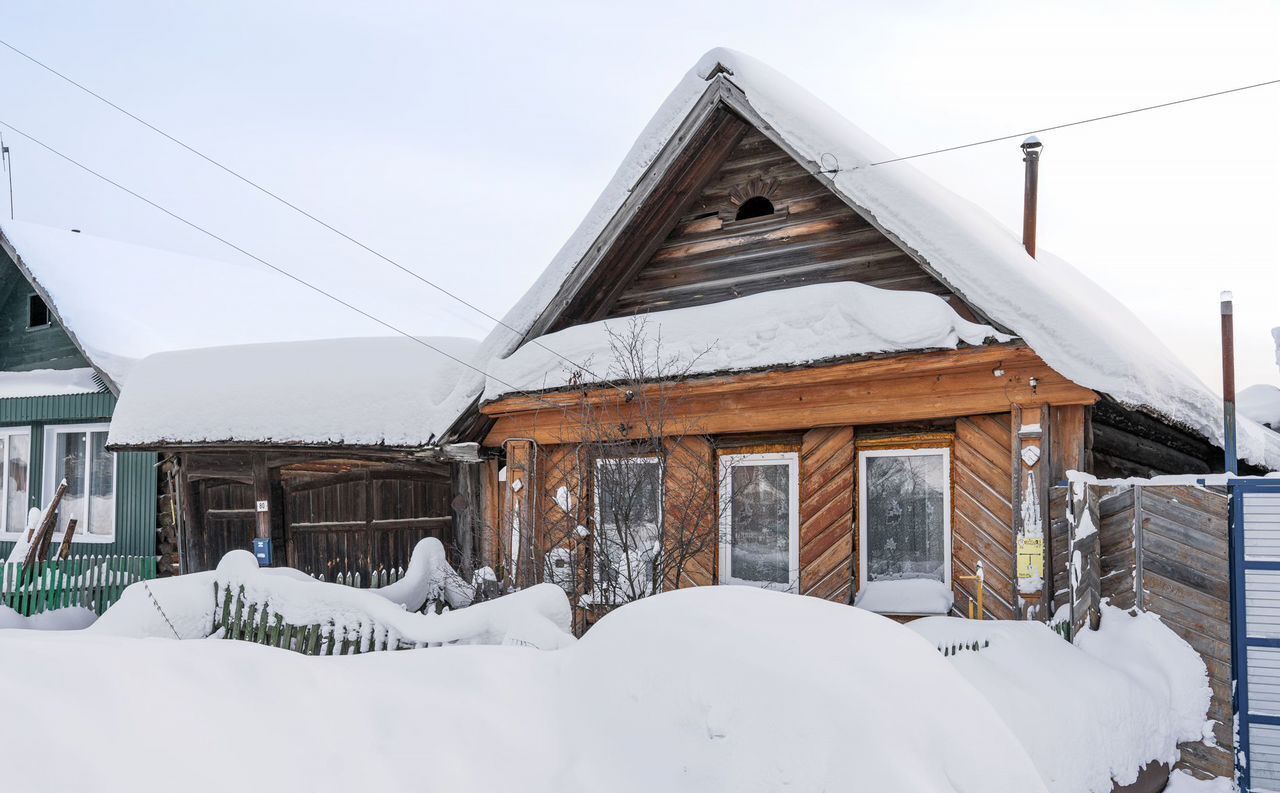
(1255, 631)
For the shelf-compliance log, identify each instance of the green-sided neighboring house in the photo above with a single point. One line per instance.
(55, 413)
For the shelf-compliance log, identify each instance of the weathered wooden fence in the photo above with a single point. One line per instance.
(93, 582)
(237, 618)
(1163, 548)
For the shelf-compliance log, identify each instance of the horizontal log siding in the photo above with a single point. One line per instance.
(982, 512)
(813, 237)
(826, 514)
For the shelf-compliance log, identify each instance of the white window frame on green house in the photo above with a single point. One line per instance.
(791, 460)
(84, 533)
(10, 533)
(863, 545)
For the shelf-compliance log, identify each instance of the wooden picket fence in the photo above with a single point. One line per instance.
(236, 618)
(91, 581)
(379, 578)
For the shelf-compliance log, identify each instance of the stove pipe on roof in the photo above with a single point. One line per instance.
(1031, 156)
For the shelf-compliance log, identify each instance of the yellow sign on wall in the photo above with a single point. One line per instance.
(1030, 557)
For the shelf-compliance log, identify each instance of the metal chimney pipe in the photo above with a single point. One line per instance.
(1031, 156)
(1228, 384)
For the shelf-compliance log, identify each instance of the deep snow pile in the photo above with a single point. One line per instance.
(1122, 696)
(184, 607)
(65, 619)
(905, 596)
(788, 326)
(710, 689)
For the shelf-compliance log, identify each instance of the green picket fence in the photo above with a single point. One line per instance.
(92, 581)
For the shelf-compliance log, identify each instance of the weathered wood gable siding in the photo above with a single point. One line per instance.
(813, 237)
(982, 513)
(23, 349)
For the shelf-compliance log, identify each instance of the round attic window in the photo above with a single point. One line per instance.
(754, 207)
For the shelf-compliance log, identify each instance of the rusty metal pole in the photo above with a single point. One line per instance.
(1031, 156)
(1228, 384)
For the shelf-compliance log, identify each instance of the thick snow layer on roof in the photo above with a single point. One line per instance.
(48, 382)
(1124, 695)
(123, 302)
(1261, 403)
(710, 689)
(1072, 323)
(365, 391)
(788, 326)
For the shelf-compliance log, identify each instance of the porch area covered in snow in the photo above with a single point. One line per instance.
(324, 447)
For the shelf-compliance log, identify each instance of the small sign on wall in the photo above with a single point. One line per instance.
(264, 506)
(262, 550)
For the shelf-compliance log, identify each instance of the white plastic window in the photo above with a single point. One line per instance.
(78, 454)
(760, 520)
(15, 478)
(904, 514)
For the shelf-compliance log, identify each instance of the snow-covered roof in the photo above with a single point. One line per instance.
(1261, 403)
(360, 392)
(49, 382)
(122, 302)
(788, 326)
(1072, 323)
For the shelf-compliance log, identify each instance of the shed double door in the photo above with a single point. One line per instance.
(361, 522)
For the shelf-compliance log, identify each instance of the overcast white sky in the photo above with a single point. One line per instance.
(468, 142)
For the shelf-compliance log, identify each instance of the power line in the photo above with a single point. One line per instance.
(1073, 123)
(259, 259)
(299, 210)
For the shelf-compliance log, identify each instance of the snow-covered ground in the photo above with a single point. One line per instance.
(707, 689)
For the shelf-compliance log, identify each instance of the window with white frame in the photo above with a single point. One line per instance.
(78, 453)
(759, 520)
(628, 505)
(904, 514)
(15, 484)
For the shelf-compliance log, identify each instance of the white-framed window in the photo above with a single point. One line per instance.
(760, 520)
(78, 453)
(628, 530)
(904, 514)
(15, 479)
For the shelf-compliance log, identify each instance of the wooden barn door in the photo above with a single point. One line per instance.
(363, 521)
(226, 518)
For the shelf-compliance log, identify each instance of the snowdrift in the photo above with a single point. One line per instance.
(712, 689)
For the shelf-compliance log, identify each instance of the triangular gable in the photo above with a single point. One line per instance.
(17, 279)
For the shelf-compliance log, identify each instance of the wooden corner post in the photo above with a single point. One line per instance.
(1030, 501)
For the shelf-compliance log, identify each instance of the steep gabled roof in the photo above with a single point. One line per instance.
(1073, 324)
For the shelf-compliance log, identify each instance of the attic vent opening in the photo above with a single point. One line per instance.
(37, 312)
(754, 207)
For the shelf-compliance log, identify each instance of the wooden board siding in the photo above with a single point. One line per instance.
(826, 514)
(1164, 549)
(224, 514)
(812, 237)
(690, 503)
(362, 522)
(23, 348)
(982, 512)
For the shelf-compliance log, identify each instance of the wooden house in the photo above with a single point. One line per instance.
(813, 369)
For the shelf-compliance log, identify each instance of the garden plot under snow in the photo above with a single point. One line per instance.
(709, 689)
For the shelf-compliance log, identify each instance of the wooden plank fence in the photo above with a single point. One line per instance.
(90, 581)
(236, 617)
